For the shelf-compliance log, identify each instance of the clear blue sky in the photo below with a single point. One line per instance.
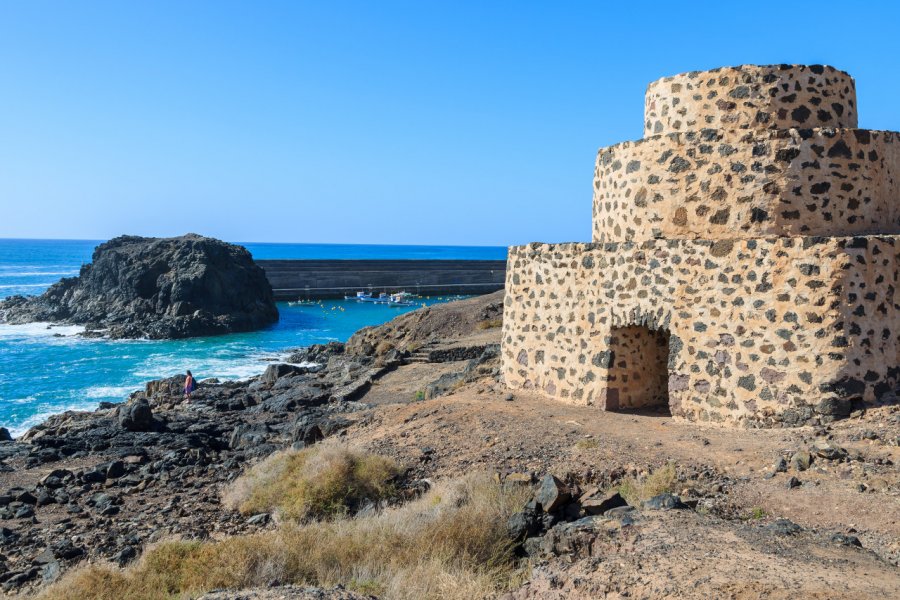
(369, 122)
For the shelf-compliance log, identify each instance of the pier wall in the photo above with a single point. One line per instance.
(314, 279)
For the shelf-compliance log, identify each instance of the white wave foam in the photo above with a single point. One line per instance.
(47, 412)
(227, 367)
(12, 286)
(107, 391)
(25, 400)
(38, 330)
(12, 273)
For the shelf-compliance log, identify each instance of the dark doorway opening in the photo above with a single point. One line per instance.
(638, 377)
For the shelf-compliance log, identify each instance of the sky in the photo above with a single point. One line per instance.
(421, 122)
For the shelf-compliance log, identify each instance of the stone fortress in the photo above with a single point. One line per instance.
(743, 265)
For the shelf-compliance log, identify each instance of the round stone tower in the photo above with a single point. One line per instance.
(744, 263)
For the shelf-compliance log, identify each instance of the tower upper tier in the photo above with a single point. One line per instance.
(751, 97)
(749, 152)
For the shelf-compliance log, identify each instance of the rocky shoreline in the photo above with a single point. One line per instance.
(128, 474)
(424, 390)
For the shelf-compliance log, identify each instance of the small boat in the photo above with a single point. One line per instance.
(361, 297)
(402, 299)
(396, 299)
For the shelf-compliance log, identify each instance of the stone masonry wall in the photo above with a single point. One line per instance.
(751, 97)
(713, 184)
(762, 332)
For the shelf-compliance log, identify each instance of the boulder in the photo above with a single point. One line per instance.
(136, 416)
(276, 371)
(551, 494)
(600, 503)
(801, 460)
(664, 502)
(829, 450)
(835, 406)
(157, 288)
(524, 523)
(846, 540)
(784, 527)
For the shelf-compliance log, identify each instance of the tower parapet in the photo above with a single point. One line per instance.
(751, 97)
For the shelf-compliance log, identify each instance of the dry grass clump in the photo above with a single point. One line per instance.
(383, 347)
(452, 543)
(587, 444)
(637, 489)
(323, 481)
(489, 323)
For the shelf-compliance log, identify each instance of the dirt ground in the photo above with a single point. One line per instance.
(733, 546)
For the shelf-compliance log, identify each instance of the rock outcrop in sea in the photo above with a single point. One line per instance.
(157, 288)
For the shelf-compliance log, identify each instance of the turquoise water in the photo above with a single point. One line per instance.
(48, 370)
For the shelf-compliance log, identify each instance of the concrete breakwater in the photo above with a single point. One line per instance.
(314, 279)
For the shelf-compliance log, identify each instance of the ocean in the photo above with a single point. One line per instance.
(44, 370)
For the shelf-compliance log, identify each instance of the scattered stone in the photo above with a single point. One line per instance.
(260, 519)
(784, 527)
(846, 540)
(26, 498)
(551, 493)
(829, 450)
(598, 505)
(524, 523)
(664, 501)
(115, 469)
(792, 483)
(125, 556)
(801, 460)
(51, 572)
(21, 577)
(45, 557)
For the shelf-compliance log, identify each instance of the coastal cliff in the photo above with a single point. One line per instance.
(157, 288)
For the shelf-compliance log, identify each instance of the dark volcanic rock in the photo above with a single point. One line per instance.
(136, 416)
(551, 493)
(157, 288)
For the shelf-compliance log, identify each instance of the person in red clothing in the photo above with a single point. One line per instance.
(189, 385)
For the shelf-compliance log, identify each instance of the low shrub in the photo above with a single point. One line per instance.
(489, 324)
(383, 347)
(756, 513)
(452, 543)
(636, 489)
(587, 444)
(324, 481)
